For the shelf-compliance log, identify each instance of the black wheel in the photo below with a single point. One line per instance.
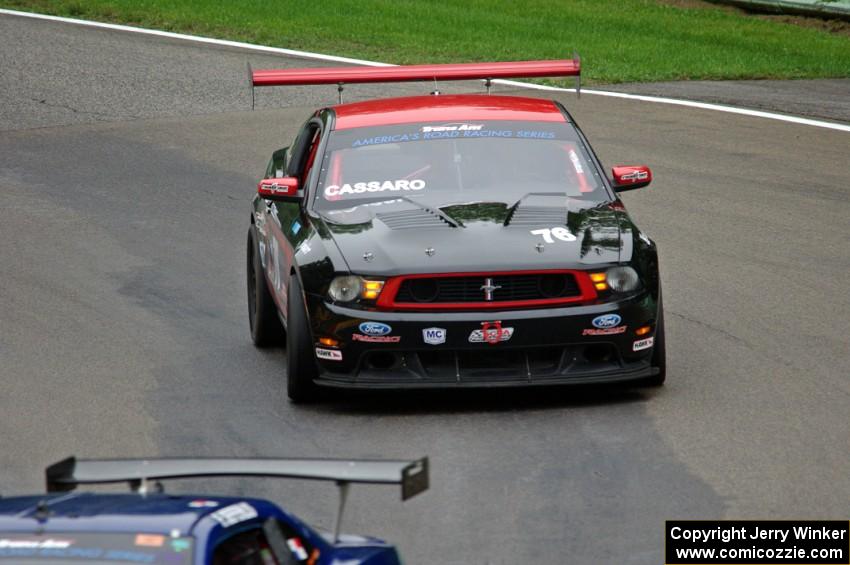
(659, 351)
(301, 368)
(266, 329)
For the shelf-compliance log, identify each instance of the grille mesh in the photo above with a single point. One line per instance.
(468, 289)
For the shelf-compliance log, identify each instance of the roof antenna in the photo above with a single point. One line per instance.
(435, 92)
(343, 495)
(488, 82)
(340, 86)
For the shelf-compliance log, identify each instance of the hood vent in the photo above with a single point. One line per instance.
(536, 216)
(418, 219)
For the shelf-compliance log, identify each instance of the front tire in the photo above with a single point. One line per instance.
(659, 351)
(301, 368)
(266, 329)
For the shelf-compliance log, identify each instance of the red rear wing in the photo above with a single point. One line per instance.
(410, 73)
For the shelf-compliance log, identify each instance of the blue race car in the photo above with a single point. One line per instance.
(148, 526)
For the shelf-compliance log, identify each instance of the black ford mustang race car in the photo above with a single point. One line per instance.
(451, 241)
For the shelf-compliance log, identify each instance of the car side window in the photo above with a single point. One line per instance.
(245, 548)
(311, 158)
(300, 150)
(277, 164)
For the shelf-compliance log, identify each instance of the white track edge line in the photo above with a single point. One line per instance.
(689, 103)
(347, 60)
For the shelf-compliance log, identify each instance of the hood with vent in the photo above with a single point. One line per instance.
(538, 232)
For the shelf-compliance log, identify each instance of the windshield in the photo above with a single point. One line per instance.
(440, 164)
(100, 548)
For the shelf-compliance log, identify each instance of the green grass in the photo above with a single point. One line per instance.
(619, 40)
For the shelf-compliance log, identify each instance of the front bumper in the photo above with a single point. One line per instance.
(546, 347)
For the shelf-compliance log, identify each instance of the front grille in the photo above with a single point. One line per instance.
(504, 288)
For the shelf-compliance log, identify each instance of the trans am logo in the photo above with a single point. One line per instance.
(452, 127)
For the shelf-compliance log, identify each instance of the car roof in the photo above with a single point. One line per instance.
(98, 512)
(445, 108)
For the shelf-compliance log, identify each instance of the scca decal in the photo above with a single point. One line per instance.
(373, 186)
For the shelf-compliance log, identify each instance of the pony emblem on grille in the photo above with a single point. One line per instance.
(489, 288)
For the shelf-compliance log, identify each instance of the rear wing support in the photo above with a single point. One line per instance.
(343, 497)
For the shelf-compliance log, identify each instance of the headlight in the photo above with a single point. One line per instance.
(349, 288)
(622, 279)
(345, 289)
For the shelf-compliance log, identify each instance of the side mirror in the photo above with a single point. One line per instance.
(631, 177)
(282, 189)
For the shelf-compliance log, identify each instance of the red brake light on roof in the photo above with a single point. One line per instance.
(407, 73)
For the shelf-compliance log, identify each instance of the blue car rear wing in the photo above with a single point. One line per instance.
(411, 475)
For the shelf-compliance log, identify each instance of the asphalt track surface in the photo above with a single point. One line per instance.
(126, 168)
(827, 99)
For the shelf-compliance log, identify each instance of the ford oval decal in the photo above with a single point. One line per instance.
(375, 328)
(605, 321)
